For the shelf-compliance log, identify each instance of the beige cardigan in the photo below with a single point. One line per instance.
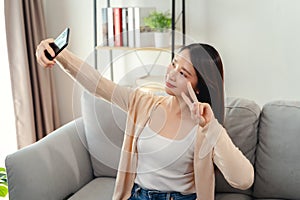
(212, 145)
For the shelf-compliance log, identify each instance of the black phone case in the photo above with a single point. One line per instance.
(55, 49)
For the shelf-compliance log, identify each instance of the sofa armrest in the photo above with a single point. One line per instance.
(52, 168)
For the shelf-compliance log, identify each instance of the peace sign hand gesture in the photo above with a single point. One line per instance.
(200, 112)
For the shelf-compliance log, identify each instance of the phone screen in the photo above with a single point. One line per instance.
(62, 39)
(59, 43)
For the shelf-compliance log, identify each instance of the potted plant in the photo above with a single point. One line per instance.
(3, 182)
(160, 23)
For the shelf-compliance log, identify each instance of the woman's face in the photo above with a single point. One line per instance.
(180, 71)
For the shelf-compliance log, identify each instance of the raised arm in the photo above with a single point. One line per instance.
(85, 74)
(236, 168)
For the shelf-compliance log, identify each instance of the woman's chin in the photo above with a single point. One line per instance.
(169, 92)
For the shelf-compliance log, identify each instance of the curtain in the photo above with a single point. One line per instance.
(32, 86)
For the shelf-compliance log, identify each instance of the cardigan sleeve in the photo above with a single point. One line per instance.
(93, 81)
(236, 168)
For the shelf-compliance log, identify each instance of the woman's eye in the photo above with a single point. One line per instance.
(173, 64)
(183, 74)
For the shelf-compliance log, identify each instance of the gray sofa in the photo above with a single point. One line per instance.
(79, 160)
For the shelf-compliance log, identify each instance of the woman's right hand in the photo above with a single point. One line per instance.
(40, 54)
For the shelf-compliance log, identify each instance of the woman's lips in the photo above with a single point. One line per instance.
(169, 85)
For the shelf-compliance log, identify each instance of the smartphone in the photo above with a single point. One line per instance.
(59, 43)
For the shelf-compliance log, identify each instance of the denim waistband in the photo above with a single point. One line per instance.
(141, 193)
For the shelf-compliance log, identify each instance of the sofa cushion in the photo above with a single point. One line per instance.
(99, 188)
(232, 196)
(278, 158)
(104, 125)
(241, 123)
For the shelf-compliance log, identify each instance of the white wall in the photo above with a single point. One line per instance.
(257, 40)
(78, 15)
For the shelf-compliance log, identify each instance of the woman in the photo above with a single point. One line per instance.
(171, 142)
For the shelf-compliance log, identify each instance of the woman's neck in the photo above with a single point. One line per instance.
(178, 107)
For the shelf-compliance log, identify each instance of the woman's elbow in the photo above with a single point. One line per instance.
(245, 179)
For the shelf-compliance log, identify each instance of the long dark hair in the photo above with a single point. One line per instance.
(209, 69)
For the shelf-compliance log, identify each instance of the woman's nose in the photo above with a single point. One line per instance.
(172, 74)
(172, 70)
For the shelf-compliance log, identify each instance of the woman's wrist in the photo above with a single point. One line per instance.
(62, 57)
(69, 62)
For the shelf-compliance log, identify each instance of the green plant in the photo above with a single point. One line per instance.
(3, 182)
(158, 21)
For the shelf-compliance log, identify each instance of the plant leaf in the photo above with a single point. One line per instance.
(4, 183)
(2, 173)
(4, 180)
(3, 191)
(158, 21)
(2, 169)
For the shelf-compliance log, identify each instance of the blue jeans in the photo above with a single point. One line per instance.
(138, 193)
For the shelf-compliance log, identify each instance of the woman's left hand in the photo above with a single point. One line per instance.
(200, 112)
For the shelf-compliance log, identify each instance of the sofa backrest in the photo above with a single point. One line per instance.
(278, 152)
(104, 125)
(241, 123)
(273, 145)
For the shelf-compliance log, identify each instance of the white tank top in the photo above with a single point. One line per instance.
(165, 164)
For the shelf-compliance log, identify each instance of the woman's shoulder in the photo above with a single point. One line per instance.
(150, 95)
(144, 98)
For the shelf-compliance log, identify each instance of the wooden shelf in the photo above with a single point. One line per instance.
(137, 48)
(171, 49)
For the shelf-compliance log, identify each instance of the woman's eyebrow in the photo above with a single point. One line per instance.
(184, 69)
